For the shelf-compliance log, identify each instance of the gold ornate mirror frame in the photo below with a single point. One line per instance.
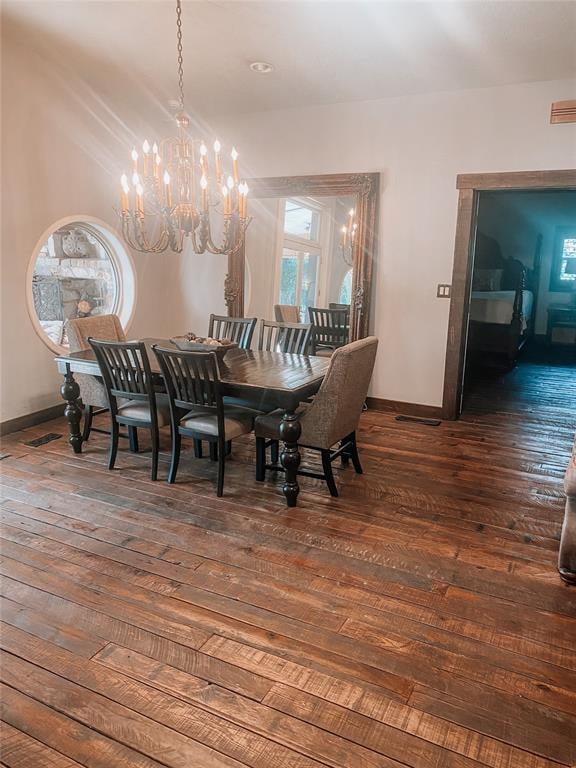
(364, 187)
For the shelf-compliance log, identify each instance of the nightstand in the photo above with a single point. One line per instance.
(560, 316)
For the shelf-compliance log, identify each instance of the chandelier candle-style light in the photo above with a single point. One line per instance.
(177, 188)
(348, 238)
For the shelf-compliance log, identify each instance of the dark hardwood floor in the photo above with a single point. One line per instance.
(418, 620)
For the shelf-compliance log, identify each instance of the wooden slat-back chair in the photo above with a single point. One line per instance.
(196, 405)
(127, 376)
(238, 329)
(290, 338)
(330, 329)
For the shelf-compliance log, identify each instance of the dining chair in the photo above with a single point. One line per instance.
(286, 313)
(92, 389)
(290, 338)
(127, 377)
(238, 329)
(196, 405)
(330, 329)
(333, 305)
(332, 417)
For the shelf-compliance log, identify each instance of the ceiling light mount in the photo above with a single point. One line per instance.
(262, 67)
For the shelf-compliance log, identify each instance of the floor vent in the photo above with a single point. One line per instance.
(420, 420)
(37, 442)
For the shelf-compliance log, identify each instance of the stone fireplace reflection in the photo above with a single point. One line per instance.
(73, 277)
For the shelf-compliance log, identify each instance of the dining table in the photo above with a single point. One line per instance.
(280, 380)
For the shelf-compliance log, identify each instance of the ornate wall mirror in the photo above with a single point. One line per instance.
(311, 242)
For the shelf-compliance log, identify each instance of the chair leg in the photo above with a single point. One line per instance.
(133, 439)
(274, 451)
(197, 448)
(354, 455)
(328, 474)
(345, 455)
(175, 460)
(155, 451)
(87, 422)
(260, 459)
(114, 434)
(221, 466)
(213, 451)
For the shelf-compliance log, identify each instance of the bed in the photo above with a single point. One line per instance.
(502, 306)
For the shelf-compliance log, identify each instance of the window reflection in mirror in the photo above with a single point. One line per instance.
(295, 255)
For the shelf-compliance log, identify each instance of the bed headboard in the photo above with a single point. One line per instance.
(508, 274)
(514, 275)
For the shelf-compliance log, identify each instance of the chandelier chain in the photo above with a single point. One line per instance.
(180, 56)
(174, 193)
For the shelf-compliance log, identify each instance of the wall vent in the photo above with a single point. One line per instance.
(563, 111)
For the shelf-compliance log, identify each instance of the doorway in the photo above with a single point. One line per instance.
(471, 189)
(521, 342)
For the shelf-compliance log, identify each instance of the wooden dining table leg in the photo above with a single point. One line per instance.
(290, 431)
(70, 392)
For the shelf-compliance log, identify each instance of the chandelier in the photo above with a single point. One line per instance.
(176, 190)
(348, 238)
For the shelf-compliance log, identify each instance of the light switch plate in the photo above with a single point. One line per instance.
(443, 291)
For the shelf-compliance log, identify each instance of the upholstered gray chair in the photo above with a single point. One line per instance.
(332, 417)
(286, 313)
(92, 389)
(567, 554)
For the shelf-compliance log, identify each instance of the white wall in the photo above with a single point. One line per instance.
(62, 148)
(419, 144)
(64, 145)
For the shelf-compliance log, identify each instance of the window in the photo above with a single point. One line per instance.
(563, 275)
(78, 270)
(346, 289)
(301, 220)
(300, 255)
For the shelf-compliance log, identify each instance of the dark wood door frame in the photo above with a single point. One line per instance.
(470, 186)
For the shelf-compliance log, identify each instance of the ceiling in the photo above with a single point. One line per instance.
(323, 52)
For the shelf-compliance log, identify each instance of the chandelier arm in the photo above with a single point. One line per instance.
(211, 246)
(196, 244)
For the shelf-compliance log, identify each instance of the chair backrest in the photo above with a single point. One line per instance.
(330, 327)
(291, 338)
(335, 411)
(333, 305)
(192, 378)
(286, 313)
(125, 370)
(80, 329)
(238, 329)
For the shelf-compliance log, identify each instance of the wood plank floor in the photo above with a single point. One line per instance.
(416, 621)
